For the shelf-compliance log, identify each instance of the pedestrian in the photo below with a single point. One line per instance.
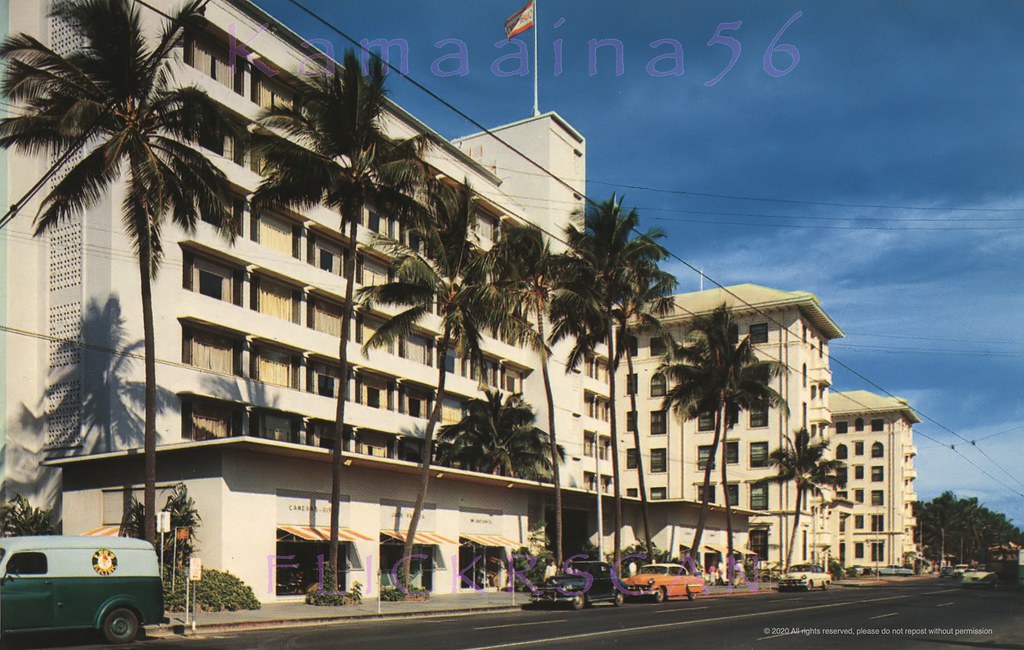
(550, 571)
(740, 574)
(720, 573)
(631, 568)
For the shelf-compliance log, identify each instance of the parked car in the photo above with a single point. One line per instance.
(946, 572)
(582, 585)
(663, 581)
(979, 577)
(79, 583)
(806, 577)
(959, 570)
(894, 570)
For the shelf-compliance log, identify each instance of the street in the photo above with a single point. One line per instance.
(925, 614)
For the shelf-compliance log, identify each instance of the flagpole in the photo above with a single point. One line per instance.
(536, 28)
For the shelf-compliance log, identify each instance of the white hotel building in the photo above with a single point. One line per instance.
(246, 343)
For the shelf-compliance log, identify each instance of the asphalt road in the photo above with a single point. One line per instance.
(928, 614)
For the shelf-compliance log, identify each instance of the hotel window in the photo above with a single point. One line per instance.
(759, 454)
(877, 450)
(758, 543)
(589, 481)
(711, 493)
(203, 420)
(632, 345)
(858, 496)
(877, 474)
(276, 426)
(877, 523)
(759, 496)
(732, 453)
(858, 448)
(276, 299)
(212, 60)
(416, 348)
(325, 379)
(658, 460)
(704, 457)
(275, 367)
(630, 458)
(372, 272)
(858, 522)
(326, 255)
(630, 420)
(325, 316)
(631, 384)
(658, 494)
(275, 233)
(842, 523)
(842, 476)
(212, 279)
(268, 93)
(858, 424)
(513, 381)
(878, 425)
(491, 373)
(658, 386)
(659, 422)
(417, 402)
(366, 327)
(657, 346)
(604, 448)
(759, 333)
(841, 452)
(732, 493)
(706, 422)
(588, 444)
(842, 426)
(877, 498)
(211, 351)
(632, 492)
(451, 411)
(858, 550)
(373, 220)
(804, 380)
(759, 415)
(877, 551)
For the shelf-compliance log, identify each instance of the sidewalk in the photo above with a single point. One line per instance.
(298, 613)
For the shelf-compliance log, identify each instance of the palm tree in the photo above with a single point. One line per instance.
(441, 269)
(497, 436)
(114, 98)
(603, 254)
(329, 148)
(529, 273)
(19, 517)
(716, 372)
(640, 310)
(803, 463)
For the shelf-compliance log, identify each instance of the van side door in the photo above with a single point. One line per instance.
(26, 596)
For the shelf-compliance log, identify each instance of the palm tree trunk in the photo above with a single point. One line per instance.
(548, 396)
(725, 494)
(703, 516)
(641, 483)
(796, 524)
(428, 454)
(149, 435)
(613, 432)
(352, 217)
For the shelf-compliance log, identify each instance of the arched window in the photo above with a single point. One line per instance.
(877, 450)
(858, 424)
(841, 453)
(658, 385)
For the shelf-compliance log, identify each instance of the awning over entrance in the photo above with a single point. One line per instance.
(103, 531)
(491, 540)
(711, 549)
(321, 534)
(421, 538)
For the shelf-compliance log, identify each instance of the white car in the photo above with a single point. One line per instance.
(806, 577)
(979, 577)
(959, 570)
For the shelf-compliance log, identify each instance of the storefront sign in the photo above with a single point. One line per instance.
(397, 515)
(307, 509)
(481, 522)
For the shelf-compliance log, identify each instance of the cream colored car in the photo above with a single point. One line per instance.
(806, 577)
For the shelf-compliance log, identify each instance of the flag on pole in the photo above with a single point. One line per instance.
(520, 21)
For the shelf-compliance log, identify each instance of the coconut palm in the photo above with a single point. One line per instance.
(603, 254)
(640, 310)
(715, 372)
(529, 272)
(328, 148)
(441, 269)
(19, 517)
(114, 98)
(497, 436)
(804, 464)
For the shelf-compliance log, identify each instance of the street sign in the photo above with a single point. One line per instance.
(195, 569)
(163, 521)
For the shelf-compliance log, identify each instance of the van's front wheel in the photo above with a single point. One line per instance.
(121, 625)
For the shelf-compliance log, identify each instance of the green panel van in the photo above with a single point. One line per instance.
(111, 584)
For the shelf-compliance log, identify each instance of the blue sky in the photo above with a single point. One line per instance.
(899, 105)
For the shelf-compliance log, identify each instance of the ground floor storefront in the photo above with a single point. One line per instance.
(265, 512)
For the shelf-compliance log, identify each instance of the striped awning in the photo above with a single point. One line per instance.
(103, 531)
(490, 540)
(421, 537)
(323, 534)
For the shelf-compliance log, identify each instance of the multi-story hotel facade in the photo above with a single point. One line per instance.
(873, 435)
(246, 338)
(790, 328)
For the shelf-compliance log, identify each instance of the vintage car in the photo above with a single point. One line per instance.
(581, 585)
(662, 582)
(806, 577)
(894, 570)
(979, 577)
(959, 570)
(946, 572)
